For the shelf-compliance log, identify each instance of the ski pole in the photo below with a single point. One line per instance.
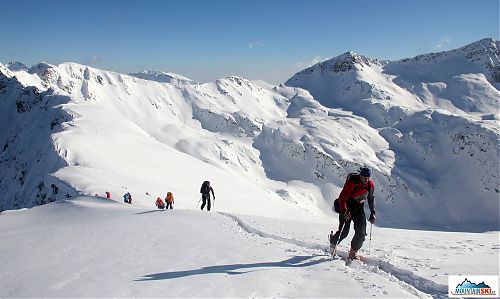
(198, 203)
(340, 235)
(334, 251)
(370, 243)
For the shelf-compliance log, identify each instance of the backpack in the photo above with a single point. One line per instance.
(205, 187)
(169, 198)
(353, 176)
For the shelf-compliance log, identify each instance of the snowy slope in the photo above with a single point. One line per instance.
(158, 118)
(277, 156)
(163, 77)
(464, 81)
(93, 247)
(17, 66)
(73, 129)
(439, 114)
(30, 115)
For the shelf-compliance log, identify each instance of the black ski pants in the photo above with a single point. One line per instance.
(358, 217)
(206, 201)
(169, 205)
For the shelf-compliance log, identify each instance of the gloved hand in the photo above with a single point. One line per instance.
(347, 216)
(372, 218)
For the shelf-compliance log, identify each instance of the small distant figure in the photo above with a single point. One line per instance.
(170, 200)
(96, 195)
(159, 203)
(205, 195)
(108, 195)
(127, 198)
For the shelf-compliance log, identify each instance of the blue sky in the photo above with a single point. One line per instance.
(256, 39)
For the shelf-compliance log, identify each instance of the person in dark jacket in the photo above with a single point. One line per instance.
(358, 188)
(205, 195)
(127, 198)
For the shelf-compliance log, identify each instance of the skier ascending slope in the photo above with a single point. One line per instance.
(205, 194)
(127, 198)
(159, 203)
(350, 206)
(170, 200)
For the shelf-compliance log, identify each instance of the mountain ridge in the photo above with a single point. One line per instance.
(166, 77)
(285, 143)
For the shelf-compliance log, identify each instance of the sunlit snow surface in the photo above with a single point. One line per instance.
(93, 247)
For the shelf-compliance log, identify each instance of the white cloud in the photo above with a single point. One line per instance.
(255, 44)
(303, 65)
(442, 42)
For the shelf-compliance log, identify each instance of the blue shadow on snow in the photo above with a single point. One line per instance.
(294, 262)
(147, 212)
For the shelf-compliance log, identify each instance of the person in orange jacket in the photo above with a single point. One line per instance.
(159, 203)
(170, 200)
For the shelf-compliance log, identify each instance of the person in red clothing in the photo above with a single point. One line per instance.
(159, 203)
(358, 188)
(170, 200)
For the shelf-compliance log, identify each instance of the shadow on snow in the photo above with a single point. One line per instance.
(294, 262)
(147, 212)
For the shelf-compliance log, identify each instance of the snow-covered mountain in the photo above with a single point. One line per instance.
(17, 66)
(439, 114)
(418, 123)
(159, 76)
(464, 81)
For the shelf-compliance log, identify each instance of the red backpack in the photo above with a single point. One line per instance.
(353, 176)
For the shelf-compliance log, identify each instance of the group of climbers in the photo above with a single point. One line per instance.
(168, 202)
(357, 189)
(169, 199)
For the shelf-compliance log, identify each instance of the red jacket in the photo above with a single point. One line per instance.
(159, 202)
(358, 191)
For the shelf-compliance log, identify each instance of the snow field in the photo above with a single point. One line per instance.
(93, 247)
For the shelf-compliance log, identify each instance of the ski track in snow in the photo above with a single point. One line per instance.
(407, 279)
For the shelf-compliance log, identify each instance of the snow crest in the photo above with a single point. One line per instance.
(417, 123)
